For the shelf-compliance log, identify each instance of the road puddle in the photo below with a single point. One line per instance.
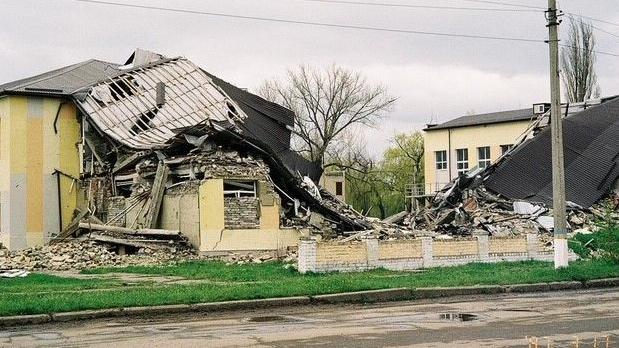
(458, 316)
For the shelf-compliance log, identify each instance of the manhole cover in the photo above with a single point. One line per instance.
(266, 318)
(458, 316)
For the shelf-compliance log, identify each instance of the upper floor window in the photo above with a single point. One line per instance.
(339, 188)
(441, 159)
(505, 148)
(462, 160)
(483, 156)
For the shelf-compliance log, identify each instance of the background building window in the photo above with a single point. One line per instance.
(441, 160)
(339, 188)
(483, 156)
(462, 160)
(505, 148)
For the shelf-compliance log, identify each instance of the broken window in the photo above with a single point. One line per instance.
(441, 160)
(462, 160)
(483, 156)
(339, 188)
(505, 148)
(239, 188)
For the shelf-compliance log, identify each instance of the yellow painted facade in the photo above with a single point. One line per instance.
(469, 137)
(330, 182)
(215, 237)
(30, 154)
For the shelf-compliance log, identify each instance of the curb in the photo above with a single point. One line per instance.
(384, 295)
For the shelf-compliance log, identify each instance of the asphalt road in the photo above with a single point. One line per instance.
(480, 321)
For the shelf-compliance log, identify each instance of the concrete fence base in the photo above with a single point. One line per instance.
(402, 255)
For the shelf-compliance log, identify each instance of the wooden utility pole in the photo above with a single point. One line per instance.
(558, 175)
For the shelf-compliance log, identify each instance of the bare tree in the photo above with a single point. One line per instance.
(577, 63)
(327, 103)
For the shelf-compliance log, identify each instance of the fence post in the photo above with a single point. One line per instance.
(426, 251)
(483, 246)
(307, 255)
(372, 249)
(532, 246)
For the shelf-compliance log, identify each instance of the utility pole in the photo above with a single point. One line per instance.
(558, 175)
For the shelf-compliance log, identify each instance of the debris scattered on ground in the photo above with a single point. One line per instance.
(13, 273)
(85, 254)
(473, 209)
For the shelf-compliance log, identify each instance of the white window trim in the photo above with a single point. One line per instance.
(246, 188)
(443, 162)
(484, 162)
(464, 163)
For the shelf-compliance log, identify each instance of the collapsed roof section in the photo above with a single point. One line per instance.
(146, 106)
(591, 143)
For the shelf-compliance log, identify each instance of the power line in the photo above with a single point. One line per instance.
(541, 8)
(320, 24)
(506, 4)
(328, 25)
(597, 28)
(346, 2)
(598, 52)
(593, 19)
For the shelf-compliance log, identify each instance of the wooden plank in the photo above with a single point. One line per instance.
(156, 196)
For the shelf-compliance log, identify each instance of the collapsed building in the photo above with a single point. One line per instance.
(152, 152)
(514, 194)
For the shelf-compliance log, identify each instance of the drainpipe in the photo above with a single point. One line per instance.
(449, 152)
(57, 115)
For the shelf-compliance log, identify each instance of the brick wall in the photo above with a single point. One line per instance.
(241, 212)
(414, 254)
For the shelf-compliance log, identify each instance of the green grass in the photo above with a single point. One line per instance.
(266, 280)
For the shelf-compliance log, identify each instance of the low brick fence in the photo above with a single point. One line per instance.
(401, 255)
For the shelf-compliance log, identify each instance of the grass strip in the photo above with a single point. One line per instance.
(273, 280)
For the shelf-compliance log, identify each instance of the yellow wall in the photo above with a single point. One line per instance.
(214, 237)
(31, 152)
(328, 182)
(493, 135)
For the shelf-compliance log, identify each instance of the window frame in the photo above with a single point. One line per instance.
(339, 188)
(243, 188)
(505, 148)
(440, 164)
(462, 162)
(486, 161)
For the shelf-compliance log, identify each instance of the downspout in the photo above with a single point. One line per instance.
(57, 115)
(59, 198)
(449, 152)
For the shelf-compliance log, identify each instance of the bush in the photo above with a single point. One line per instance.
(603, 243)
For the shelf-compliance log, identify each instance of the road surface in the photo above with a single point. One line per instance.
(479, 321)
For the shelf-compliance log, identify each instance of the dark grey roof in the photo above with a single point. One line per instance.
(493, 117)
(63, 81)
(591, 142)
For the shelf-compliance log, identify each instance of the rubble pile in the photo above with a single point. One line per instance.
(479, 211)
(77, 255)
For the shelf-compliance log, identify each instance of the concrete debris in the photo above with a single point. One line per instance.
(469, 210)
(13, 273)
(86, 254)
(83, 254)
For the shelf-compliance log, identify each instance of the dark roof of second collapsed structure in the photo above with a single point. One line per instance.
(591, 143)
(482, 119)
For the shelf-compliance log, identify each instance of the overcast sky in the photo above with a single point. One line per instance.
(435, 78)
